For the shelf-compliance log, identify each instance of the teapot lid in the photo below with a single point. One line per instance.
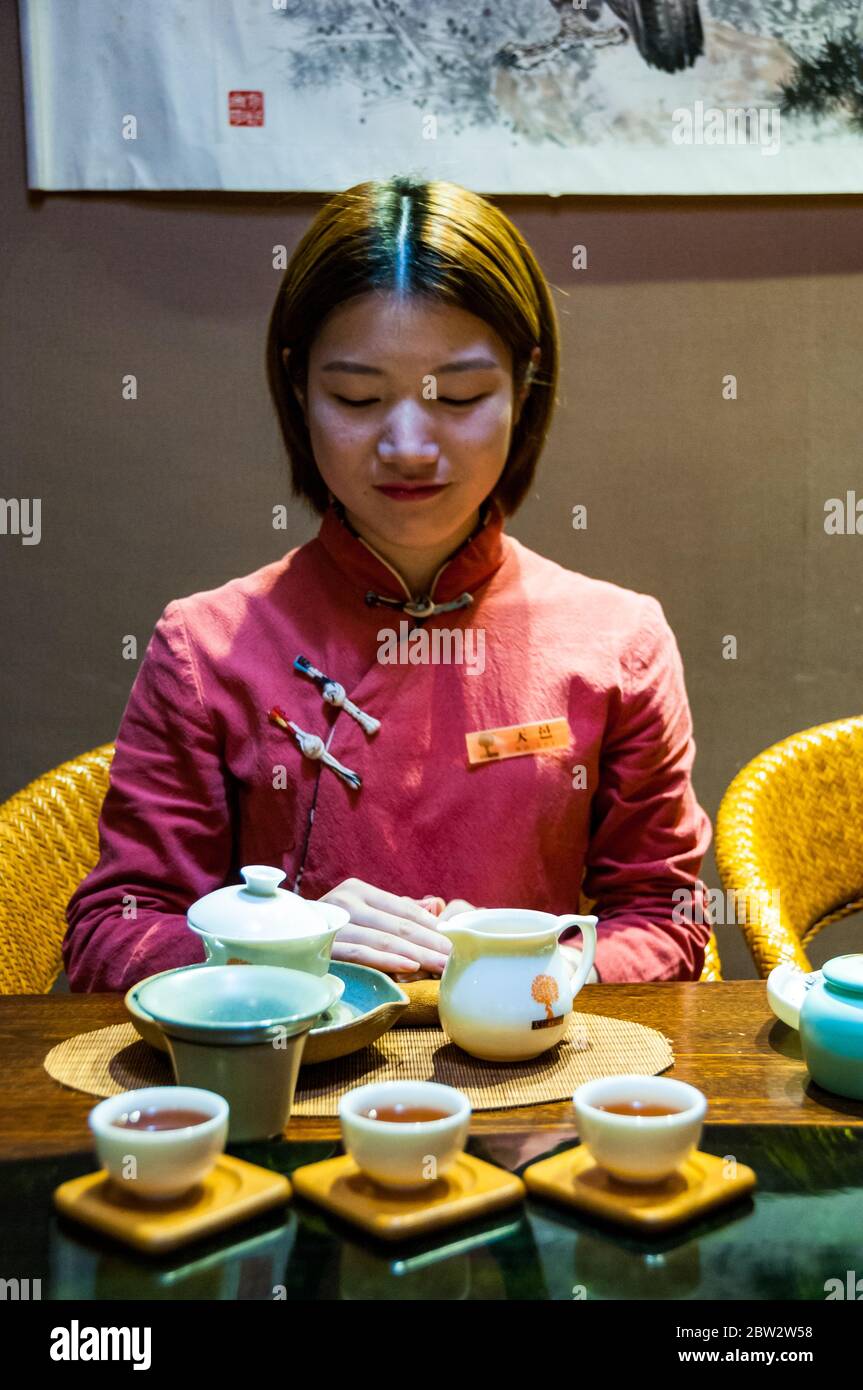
(257, 906)
(845, 971)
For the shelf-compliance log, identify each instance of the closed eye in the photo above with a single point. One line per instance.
(445, 400)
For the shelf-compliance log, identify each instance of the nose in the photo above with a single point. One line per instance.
(405, 440)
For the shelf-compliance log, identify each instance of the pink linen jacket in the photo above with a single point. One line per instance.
(204, 782)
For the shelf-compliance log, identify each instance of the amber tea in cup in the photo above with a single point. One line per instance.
(154, 1117)
(405, 1114)
(637, 1107)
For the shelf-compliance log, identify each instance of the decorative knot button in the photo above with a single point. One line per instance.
(312, 746)
(334, 694)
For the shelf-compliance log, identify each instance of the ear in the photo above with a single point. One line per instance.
(524, 390)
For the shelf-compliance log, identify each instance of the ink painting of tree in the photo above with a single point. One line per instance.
(567, 71)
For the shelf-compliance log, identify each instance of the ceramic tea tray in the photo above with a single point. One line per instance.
(368, 1008)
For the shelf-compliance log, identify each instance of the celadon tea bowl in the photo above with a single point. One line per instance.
(259, 923)
(240, 1033)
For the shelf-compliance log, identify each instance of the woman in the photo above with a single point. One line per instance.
(412, 358)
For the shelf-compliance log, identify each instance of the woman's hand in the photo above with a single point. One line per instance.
(443, 911)
(387, 932)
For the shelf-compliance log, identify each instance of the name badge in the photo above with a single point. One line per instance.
(517, 740)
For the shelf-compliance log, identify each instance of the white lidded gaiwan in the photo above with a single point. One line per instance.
(259, 923)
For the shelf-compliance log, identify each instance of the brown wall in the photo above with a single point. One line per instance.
(715, 507)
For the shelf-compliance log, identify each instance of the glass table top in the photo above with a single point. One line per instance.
(802, 1226)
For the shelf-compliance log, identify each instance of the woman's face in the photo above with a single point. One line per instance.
(410, 412)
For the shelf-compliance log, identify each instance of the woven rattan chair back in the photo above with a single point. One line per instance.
(49, 841)
(789, 840)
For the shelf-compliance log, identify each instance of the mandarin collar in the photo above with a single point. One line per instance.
(475, 561)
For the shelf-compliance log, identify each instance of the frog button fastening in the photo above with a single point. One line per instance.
(335, 694)
(311, 746)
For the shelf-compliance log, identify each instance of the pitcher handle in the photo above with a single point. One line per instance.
(588, 936)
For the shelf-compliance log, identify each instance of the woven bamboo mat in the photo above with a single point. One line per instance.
(114, 1059)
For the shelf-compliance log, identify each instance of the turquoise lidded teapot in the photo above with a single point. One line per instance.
(827, 1008)
(831, 1026)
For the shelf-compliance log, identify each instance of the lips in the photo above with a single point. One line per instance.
(410, 492)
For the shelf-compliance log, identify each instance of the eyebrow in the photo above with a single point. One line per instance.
(467, 364)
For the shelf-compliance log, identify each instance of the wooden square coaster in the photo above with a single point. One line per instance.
(574, 1177)
(232, 1191)
(469, 1189)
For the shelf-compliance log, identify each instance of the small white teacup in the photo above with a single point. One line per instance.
(156, 1164)
(640, 1148)
(398, 1154)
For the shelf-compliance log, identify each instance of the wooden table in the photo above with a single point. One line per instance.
(799, 1229)
(725, 1040)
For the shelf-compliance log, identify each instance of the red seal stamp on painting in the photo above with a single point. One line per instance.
(246, 108)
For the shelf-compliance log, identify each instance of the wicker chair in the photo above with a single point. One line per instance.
(49, 841)
(711, 969)
(789, 840)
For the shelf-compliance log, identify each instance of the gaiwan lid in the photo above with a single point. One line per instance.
(257, 908)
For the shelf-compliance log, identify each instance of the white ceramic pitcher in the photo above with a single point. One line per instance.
(506, 993)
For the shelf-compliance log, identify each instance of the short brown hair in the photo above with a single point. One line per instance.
(418, 238)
